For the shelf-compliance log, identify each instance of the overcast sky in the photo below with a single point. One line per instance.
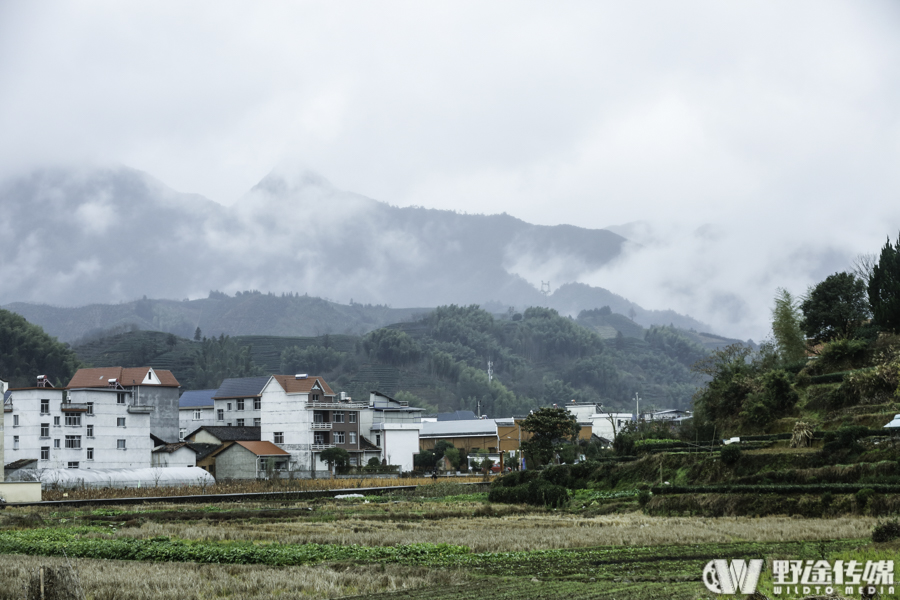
(758, 144)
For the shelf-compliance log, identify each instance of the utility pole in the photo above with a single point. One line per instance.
(490, 372)
(637, 405)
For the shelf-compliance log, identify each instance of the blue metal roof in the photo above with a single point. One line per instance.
(241, 387)
(459, 415)
(193, 398)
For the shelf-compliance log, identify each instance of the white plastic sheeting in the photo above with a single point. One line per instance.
(115, 478)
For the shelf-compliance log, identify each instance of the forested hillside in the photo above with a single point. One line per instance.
(26, 352)
(440, 361)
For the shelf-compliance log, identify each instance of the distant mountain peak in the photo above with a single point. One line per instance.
(285, 181)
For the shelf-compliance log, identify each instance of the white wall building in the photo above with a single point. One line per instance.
(196, 409)
(82, 428)
(607, 425)
(237, 402)
(3, 387)
(394, 427)
(301, 415)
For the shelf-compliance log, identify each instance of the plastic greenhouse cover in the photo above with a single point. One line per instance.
(115, 478)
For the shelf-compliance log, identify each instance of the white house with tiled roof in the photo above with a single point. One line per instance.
(302, 415)
(144, 390)
(81, 428)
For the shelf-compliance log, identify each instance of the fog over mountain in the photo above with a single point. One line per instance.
(111, 235)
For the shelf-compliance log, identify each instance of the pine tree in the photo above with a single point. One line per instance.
(884, 288)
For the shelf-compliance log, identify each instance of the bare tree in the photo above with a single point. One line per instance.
(863, 265)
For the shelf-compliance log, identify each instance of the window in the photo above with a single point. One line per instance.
(257, 403)
(314, 397)
(197, 414)
(45, 407)
(257, 422)
(15, 442)
(239, 422)
(318, 417)
(90, 431)
(15, 420)
(181, 433)
(220, 415)
(73, 441)
(378, 439)
(120, 398)
(90, 409)
(353, 460)
(120, 444)
(278, 437)
(90, 454)
(73, 464)
(45, 429)
(319, 438)
(56, 421)
(45, 452)
(338, 416)
(338, 437)
(229, 406)
(56, 443)
(240, 404)
(120, 422)
(352, 437)
(73, 420)
(352, 417)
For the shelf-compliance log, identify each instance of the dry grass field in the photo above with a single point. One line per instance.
(525, 531)
(122, 580)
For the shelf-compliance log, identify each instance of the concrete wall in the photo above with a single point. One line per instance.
(183, 457)
(235, 462)
(107, 432)
(188, 424)
(231, 413)
(603, 427)
(98, 431)
(24, 491)
(287, 413)
(164, 418)
(399, 443)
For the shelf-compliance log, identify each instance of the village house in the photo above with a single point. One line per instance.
(196, 408)
(77, 428)
(139, 390)
(394, 427)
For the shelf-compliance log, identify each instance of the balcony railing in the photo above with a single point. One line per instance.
(74, 407)
(319, 447)
(320, 426)
(336, 405)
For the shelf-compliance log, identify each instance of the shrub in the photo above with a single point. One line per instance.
(536, 493)
(730, 455)
(624, 444)
(887, 531)
(827, 499)
(862, 498)
(643, 498)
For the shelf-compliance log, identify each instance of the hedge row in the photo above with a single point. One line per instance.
(537, 492)
(808, 488)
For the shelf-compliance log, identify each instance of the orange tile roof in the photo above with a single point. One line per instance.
(263, 448)
(292, 385)
(99, 377)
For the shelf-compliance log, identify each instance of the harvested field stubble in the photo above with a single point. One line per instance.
(522, 532)
(110, 579)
